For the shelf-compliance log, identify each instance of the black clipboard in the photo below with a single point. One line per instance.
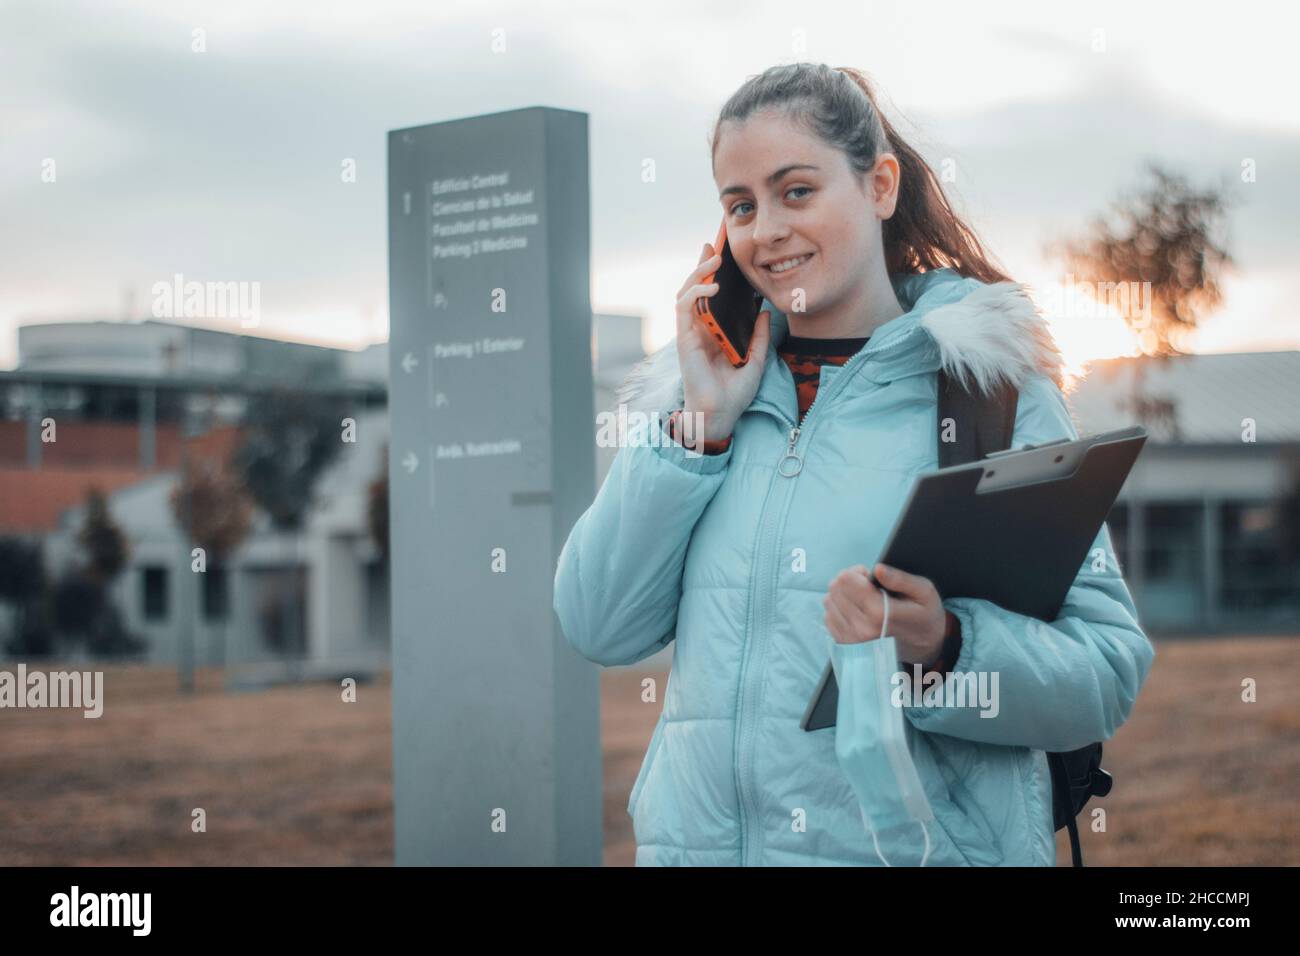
(1013, 528)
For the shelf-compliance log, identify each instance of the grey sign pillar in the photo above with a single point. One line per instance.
(496, 730)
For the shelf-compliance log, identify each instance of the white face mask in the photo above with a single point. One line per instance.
(870, 739)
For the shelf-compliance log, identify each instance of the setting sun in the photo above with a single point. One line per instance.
(1086, 330)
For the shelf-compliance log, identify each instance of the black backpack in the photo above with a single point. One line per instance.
(984, 423)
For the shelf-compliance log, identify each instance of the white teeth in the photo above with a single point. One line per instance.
(788, 263)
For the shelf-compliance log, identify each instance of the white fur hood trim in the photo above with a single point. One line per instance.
(991, 335)
(994, 334)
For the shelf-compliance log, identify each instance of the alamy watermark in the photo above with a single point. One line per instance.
(1130, 300)
(57, 689)
(977, 689)
(624, 429)
(129, 910)
(208, 300)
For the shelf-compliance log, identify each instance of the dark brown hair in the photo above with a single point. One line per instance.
(838, 105)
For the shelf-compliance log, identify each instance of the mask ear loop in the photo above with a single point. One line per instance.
(884, 626)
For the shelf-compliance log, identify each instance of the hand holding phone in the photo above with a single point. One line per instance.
(714, 387)
(731, 313)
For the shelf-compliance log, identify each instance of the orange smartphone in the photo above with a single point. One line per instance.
(731, 313)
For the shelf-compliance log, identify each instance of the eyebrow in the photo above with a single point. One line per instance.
(771, 180)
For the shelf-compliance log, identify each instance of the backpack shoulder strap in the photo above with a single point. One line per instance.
(979, 423)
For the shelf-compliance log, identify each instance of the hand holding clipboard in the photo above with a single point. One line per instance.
(1013, 529)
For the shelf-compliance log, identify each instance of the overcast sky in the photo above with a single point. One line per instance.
(224, 165)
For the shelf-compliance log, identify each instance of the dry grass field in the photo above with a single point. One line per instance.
(292, 775)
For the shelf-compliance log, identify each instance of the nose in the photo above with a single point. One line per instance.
(770, 227)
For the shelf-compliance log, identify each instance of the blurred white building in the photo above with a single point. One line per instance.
(1208, 525)
(122, 393)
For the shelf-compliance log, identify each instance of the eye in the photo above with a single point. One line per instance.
(735, 210)
(797, 188)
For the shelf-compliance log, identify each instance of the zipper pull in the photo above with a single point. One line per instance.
(790, 456)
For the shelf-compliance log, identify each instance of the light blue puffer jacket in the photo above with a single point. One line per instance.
(706, 550)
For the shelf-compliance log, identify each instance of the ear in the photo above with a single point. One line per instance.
(883, 183)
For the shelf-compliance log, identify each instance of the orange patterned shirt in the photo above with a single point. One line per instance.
(806, 356)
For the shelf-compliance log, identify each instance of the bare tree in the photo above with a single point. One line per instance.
(83, 605)
(219, 512)
(105, 545)
(1160, 240)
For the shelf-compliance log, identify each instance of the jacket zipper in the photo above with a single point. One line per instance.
(789, 466)
(795, 462)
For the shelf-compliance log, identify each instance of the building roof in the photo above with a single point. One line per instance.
(86, 454)
(196, 381)
(1211, 395)
(154, 348)
(33, 501)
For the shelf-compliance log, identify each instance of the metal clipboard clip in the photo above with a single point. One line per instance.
(1016, 451)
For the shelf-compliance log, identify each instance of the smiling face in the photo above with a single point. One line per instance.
(792, 201)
